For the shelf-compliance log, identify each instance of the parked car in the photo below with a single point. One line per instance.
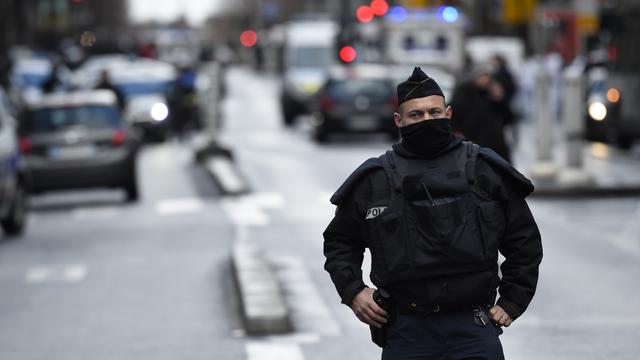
(13, 192)
(355, 99)
(79, 140)
(610, 114)
(145, 84)
(28, 75)
(149, 113)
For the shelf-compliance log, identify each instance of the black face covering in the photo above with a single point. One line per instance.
(427, 137)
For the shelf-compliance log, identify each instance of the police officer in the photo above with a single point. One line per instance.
(434, 212)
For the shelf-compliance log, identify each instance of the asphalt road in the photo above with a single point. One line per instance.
(94, 278)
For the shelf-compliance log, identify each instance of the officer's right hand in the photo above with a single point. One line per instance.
(367, 310)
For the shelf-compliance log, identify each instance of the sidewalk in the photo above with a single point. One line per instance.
(614, 172)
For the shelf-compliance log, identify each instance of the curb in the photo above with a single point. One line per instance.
(217, 161)
(263, 307)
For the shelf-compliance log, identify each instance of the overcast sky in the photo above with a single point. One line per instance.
(195, 11)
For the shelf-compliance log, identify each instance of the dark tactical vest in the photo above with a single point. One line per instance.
(433, 220)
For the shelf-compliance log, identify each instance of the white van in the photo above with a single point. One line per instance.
(309, 51)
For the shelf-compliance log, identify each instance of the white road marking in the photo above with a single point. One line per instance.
(56, 273)
(226, 173)
(242, 215)
(251, 210)
(37, 275)
(265, 200)
(75, 273)
(260, 350)
(179, 206)
(248, 210)
(101, 213)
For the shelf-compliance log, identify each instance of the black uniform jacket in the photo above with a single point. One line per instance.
(344, 244)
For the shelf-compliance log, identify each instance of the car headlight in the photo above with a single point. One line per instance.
(308, 87)
(159, 112)
(597, 111)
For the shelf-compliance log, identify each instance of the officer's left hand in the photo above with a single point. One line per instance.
(499, 316)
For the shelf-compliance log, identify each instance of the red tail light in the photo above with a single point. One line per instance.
(119, 137)
(326, 103)
(613, 53)
(25, 145)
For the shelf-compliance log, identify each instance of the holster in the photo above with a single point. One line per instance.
(384, 300)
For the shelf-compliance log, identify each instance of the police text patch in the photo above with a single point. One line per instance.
(375, 211)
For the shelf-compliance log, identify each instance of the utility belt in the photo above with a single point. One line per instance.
(445, 293)
(414, 308)
(403, 306)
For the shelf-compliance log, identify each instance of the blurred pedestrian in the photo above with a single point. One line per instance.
(481, 111)
(184, 102)
(106, 83)
(504, 77)
(54, 82)
(434, 213)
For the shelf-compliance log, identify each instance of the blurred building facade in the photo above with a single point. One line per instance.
(17, 26)
(45, 23)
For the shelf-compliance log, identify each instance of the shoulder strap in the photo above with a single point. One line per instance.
(471, 164)
(390, 169)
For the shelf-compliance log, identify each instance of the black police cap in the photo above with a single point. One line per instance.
(417, 85)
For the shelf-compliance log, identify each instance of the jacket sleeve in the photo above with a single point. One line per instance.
(344, 251)
(522, 249)
(521, 246)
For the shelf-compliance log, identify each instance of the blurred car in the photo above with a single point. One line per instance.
(150, 114)
(146, 85)
(611, 115)
(28, 75)
(309, 52)
(13, 191)
(79, 140)
(180, 47)
(88, 75)
(356, 99)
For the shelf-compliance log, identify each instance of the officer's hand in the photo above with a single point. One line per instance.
(367, 310)
(499, 316)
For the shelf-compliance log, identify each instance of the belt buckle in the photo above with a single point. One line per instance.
(436, 309)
